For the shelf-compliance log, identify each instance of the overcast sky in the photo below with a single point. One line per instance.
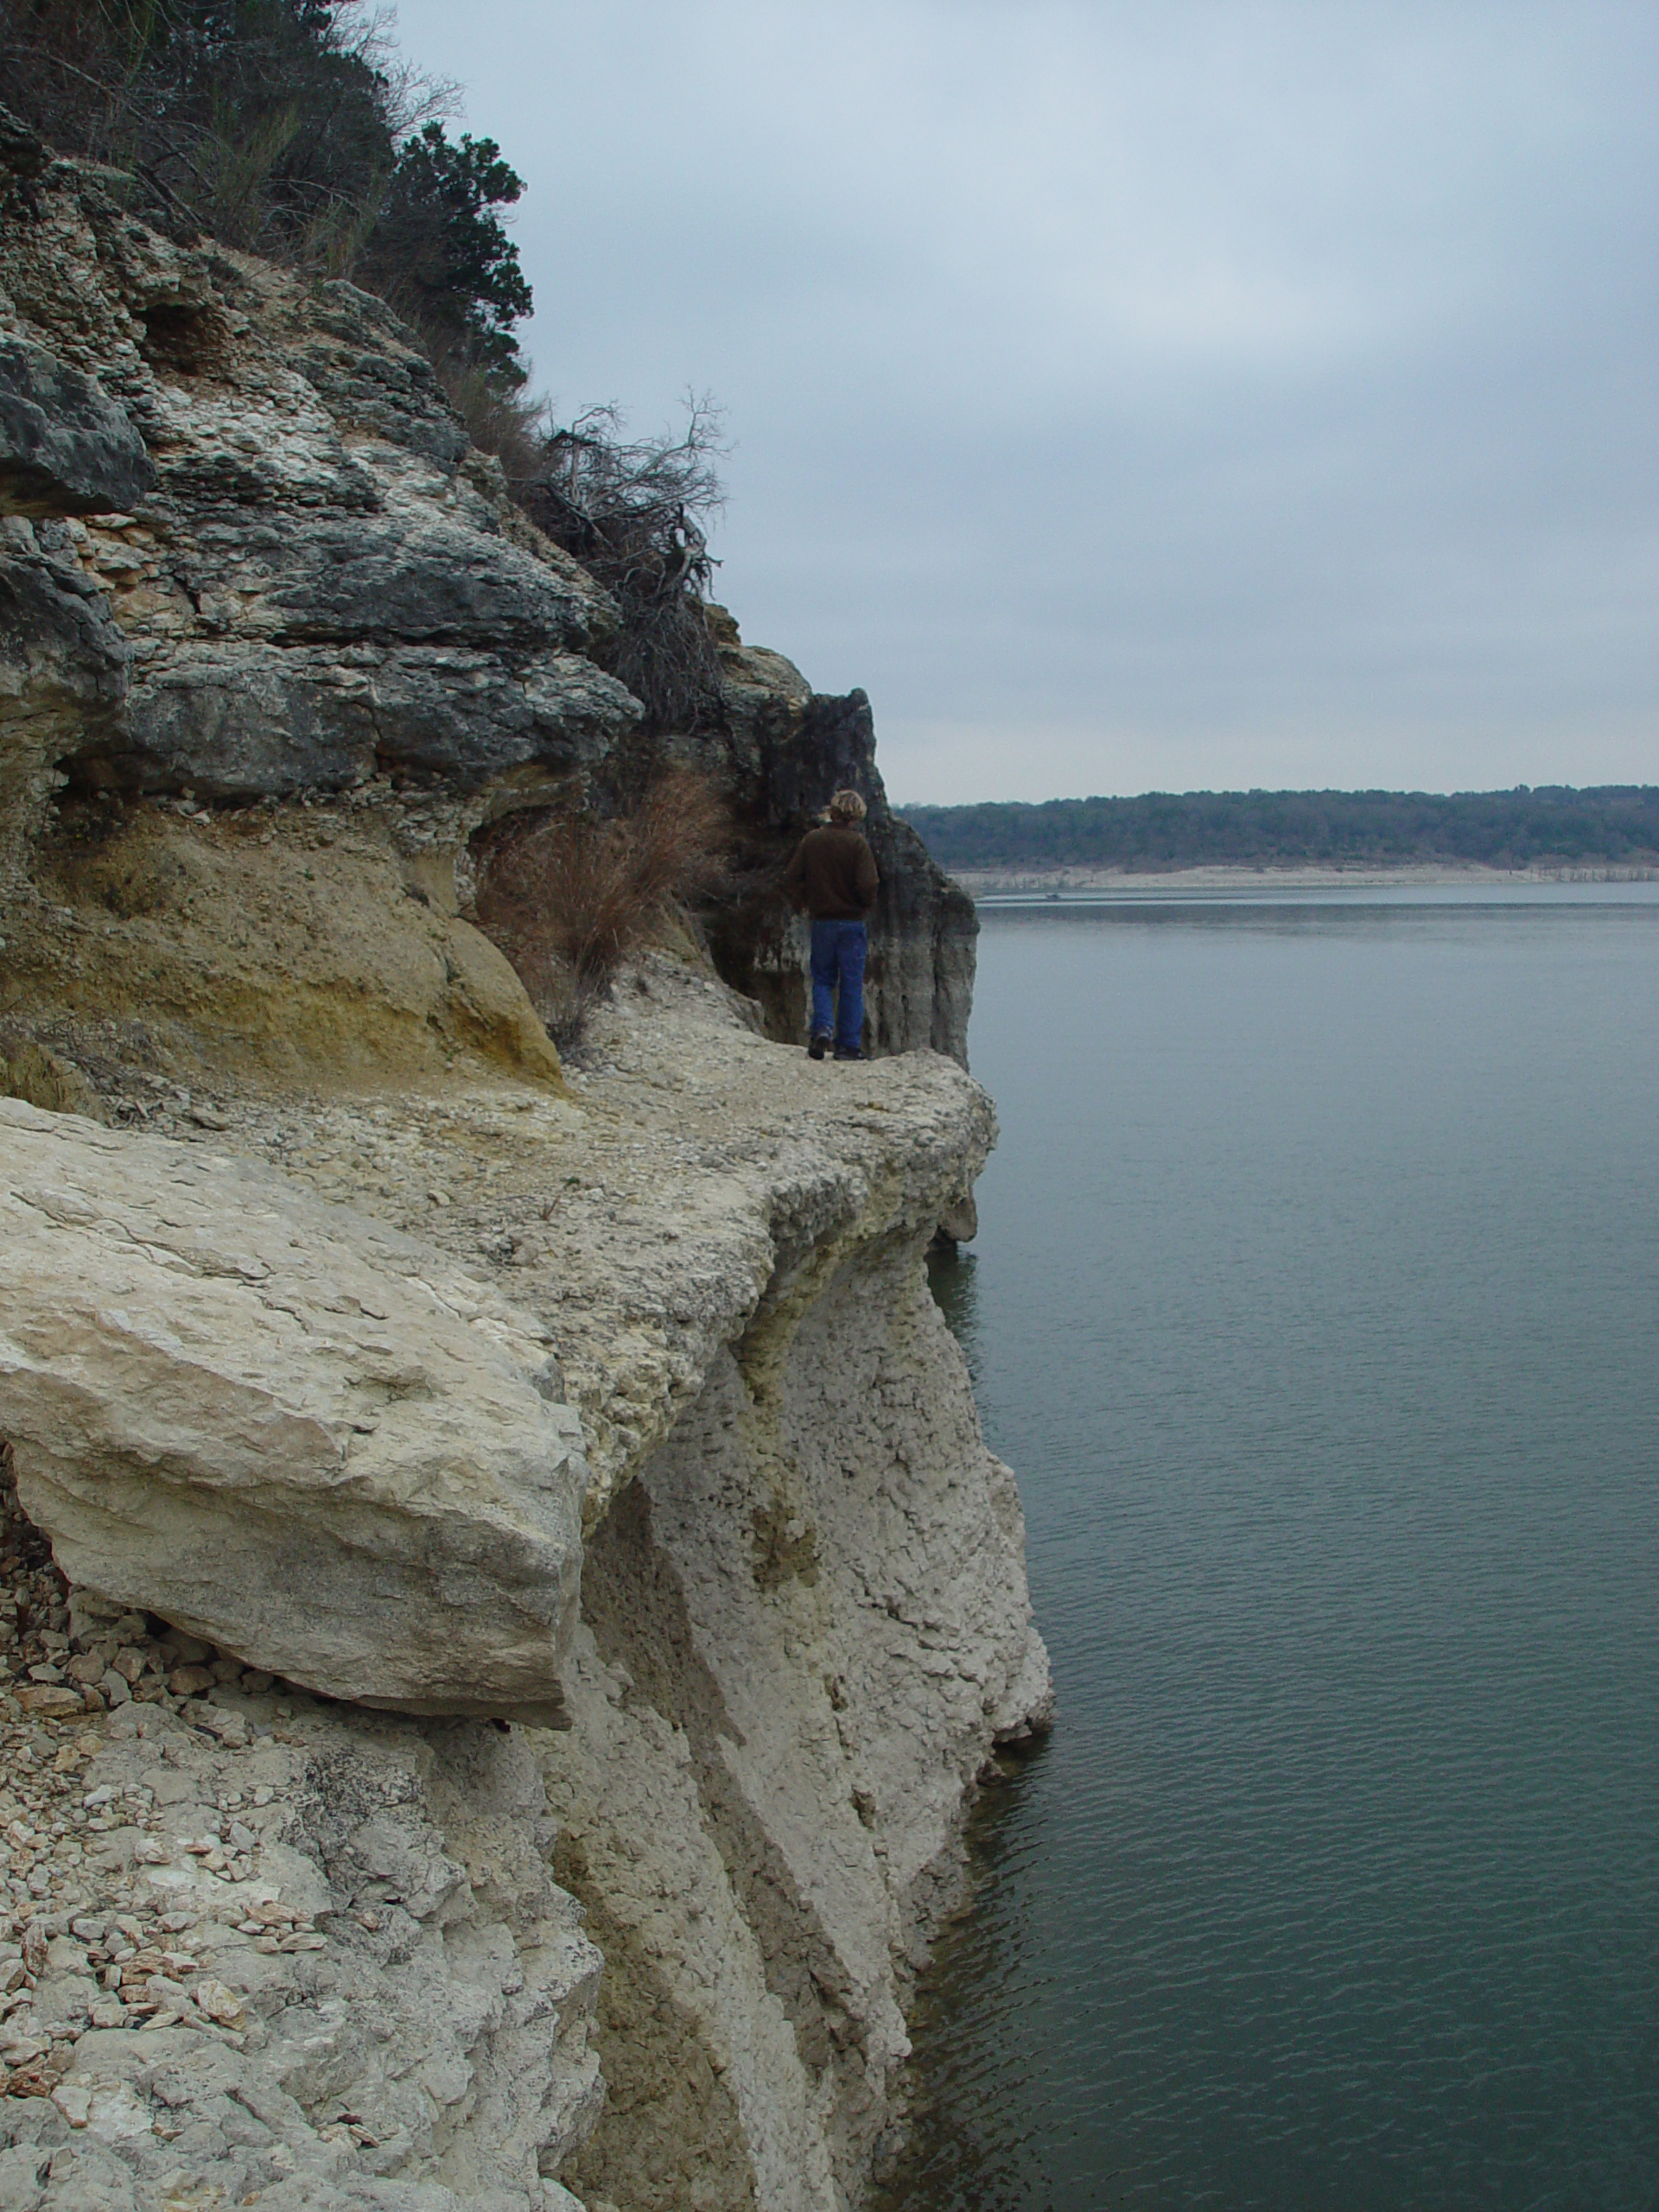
(1132, 394)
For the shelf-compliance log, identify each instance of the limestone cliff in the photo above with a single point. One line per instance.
(785, 750)
(593, 1426)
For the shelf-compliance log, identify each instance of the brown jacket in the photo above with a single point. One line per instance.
(832, 875)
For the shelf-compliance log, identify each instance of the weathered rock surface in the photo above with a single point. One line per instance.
(251, 720)
(804, 1618)
(64, 669)
(808, 1626)
(789, 748)
(323, 586)
(316, 579)
(64, 446)
(283, 1428)
(42, 1077)
(417, 573)
(251, 1947)
(284, 694)
(281, 948)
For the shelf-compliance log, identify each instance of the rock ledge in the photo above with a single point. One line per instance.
(283, 1427)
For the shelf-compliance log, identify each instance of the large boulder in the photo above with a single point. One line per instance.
(65, 447)
(283, 1426)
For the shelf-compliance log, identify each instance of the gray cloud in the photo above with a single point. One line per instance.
(1146, 395)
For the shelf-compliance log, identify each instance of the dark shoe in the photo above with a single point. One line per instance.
(817, 1048)
(848, 1052)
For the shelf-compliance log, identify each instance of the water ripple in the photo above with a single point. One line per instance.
(1315, 1302)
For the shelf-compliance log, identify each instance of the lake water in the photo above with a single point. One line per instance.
(1316, 1302)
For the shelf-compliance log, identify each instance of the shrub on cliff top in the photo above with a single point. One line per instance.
(633, 513)
(291, 129)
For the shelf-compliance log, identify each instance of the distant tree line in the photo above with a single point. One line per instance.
(1613, 824)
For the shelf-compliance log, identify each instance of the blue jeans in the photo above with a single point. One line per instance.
(838, 954)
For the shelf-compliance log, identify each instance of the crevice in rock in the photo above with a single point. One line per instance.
(186, 337)
(670, 2136)
(633, 1601)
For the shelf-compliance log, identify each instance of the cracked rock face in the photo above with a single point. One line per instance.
(284, 1428)
(789, 748)
(64, 670)
(805, 1625)
(64, 446)
(315, 578)
(253, 720)
(672, 1309)
(804, 1618)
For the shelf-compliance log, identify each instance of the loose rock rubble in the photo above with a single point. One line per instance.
(120, 1957)
(239, 1959)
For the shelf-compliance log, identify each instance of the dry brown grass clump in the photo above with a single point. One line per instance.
(567, 896)
(499, 421)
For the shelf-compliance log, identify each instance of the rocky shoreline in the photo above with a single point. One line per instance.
(803, 1627)
(530, 1602)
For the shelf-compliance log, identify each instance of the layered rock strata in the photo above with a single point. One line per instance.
(294, 1302)
(250, 553)
(786, 749)
(804, 1619)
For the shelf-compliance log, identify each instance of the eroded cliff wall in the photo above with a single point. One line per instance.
(344, 1336)
(785, 750)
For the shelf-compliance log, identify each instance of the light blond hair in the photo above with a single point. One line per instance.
(847, 806)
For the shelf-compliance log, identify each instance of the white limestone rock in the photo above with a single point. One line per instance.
(282, 1425)
(391, 2055)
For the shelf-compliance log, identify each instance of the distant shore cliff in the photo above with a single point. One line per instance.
(527, 1598)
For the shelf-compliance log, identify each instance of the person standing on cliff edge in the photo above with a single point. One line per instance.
(832, 876)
